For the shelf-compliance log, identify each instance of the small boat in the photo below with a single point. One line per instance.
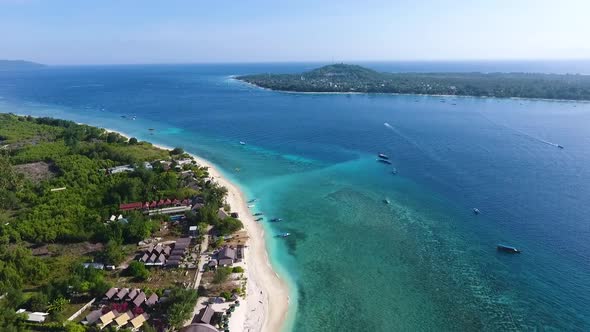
(253, 200)
(259, 219)
(276, 220)
(242, 143)
(151, 129)
(258, 214)
(383, 156)
(508, 249)
(394, 171)
(134, 118)
(559, 146)
(385, 161)
(283, 234)
(476, 211)
(251, 205)
(386, 201)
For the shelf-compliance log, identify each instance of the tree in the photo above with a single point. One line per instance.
(179, 306)
(58, 305)
(38, 302)
(229, 226)
(177, 151)
(133, 141)
(112, 253)
(138, 271)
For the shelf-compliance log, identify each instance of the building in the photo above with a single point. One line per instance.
(207, 315)
(110, 293)
(153, 299)
(107, 318)
(226, 256)
(193, 231)
(131, 206)
(221, 214)
(122, 319)
(92, 317)
(35, 317)
(138, 321)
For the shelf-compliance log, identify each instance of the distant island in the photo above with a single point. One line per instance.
(18, 65)
(344, 78)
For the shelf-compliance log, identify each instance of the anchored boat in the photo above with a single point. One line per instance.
(508, 249)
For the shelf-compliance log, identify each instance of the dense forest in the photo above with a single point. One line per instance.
(353, 78)
(55, 190)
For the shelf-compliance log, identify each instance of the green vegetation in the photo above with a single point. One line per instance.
(63, 222)
(221, 275)
(138, 271)
(179, 306)
(352, 78)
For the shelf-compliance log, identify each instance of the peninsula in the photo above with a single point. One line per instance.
(345, 78)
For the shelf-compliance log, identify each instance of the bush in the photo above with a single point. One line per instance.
(138, 271)
(238, 269)
(133, 141)
(176, 151)
(221, 275)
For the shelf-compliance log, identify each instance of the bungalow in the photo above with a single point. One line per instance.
(226, 256)
(122, 294)
(139, 300)
(221, 214)
(107, 318)
(92, 317)
(138, 321)
(153, 299)
(110, 293)
(132, 294)
(123, 319)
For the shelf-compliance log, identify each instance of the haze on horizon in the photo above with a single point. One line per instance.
(182, 31)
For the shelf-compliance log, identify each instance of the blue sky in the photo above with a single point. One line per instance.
(173, 31)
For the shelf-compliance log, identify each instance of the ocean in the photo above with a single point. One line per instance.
(422, 262)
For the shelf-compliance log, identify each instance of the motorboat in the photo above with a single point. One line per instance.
(384, 161)
(383, 156)
(508, 249)
(283, 234)
(276, 220)
(476, 211)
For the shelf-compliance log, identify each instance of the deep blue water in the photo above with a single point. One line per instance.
(423, 262)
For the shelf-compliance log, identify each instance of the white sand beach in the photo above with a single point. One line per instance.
(267, 298)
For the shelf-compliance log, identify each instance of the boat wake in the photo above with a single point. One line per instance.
(521, 133)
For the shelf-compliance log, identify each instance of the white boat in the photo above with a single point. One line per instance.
(242, 143)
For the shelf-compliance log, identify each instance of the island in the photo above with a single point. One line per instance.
(19, 65)
(345, 78)
(100, 231)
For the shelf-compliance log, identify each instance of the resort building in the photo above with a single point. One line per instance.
(35, 317)
(226, 256)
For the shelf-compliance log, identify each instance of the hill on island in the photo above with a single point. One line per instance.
(19, 65)
(354, 78)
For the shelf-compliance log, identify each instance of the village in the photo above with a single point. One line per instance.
(180, 254)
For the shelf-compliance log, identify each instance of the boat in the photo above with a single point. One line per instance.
(259, 219)
(251, 205)
(394, 171)
(134, 117)
(258, 214)
(386, 201)
(253, 200)
(383, 156)
(242, 143)
(476, 211)
(508, 249)
(559, 146)
(385, 161)
(151, 129)
(283, 234)
(276, 220)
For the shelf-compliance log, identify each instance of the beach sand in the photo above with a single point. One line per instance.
(267, 295)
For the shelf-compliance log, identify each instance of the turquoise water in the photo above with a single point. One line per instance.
(423, 262)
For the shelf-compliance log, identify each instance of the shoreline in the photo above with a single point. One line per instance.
(235, 78)
(267, 301)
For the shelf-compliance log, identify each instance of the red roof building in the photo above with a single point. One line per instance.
(168, 201)
(153, 204)
(130, 206)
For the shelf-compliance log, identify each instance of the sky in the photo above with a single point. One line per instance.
(195, 31)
